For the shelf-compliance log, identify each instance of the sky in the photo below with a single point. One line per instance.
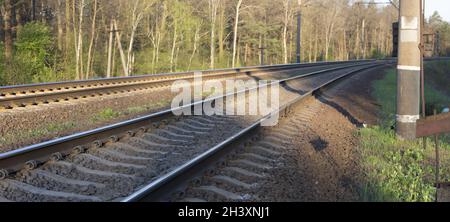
(442, 6)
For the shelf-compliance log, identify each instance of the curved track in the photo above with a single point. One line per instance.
(136, 159)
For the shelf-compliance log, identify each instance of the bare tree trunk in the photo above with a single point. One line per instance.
(68, 31)
(246, 53)
(122, 54)
(196, 39)
(137, 16)
(260, 55)
(113, 66)
(59, 22)
(357, 43)
(19, 21)
(285, 27)
(174, 45)
(213, 5)
(363, 37)
(329, 34)
(7, 19)
(91, 44)
(176, 58)
(222, 22)
(79, 60)
(159, 35)
(236, 24)
(110, 46)
(316, 47)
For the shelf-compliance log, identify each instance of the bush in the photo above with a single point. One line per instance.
(394, 169)
(34, 48)
(33, 56)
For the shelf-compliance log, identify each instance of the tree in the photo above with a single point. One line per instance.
(236, 24)
(7, 11)
(99, 38)
(213, 6)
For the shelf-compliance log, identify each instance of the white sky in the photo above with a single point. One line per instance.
(442, 6)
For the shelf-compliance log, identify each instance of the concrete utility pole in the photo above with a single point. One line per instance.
(409, 68)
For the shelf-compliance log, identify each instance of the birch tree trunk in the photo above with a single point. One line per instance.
(68, 31)
(79, 61)
(7, 19)
(174, 45)
(122, 54)
(285, 28)
(194, 50)
(236, 24)
(222, 22)
(110, 46)
(59, 22)
(136, 19)
(213, 6)
(91, 44)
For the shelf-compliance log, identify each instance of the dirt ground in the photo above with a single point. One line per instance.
(324, 166)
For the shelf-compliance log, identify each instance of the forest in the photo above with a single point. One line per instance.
(58, 40)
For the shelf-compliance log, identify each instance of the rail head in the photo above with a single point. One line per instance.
(152, 191)
(70, 84)
(15, 160)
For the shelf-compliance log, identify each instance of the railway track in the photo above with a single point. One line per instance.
(143, 158)
(36, 94)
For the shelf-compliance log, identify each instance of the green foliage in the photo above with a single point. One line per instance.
(45, 130)
(32, 60)
(386, 93)
(398, 170)
(443, 27)
(106, 114)
(376, 54)
(438, 75)
(394, 168)
(34, 51)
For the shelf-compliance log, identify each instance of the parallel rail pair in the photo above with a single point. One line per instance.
(33, 156)
(35, 94)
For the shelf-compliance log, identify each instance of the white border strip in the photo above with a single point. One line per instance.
(410, 68)
(408, 118)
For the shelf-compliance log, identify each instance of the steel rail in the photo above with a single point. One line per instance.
(157, 188)
(34, 94)
(30, 156)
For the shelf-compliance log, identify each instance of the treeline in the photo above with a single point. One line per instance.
(54, 40)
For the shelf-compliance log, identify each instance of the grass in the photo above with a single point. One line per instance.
(102, 116)
(37, 132)
(399, 170)
(110, 114)
(440, 71)
(105, 115)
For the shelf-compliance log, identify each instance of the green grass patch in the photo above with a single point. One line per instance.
(38, 132)
(137, 109)
(106, 114)
(399, 170)
(394, 169)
